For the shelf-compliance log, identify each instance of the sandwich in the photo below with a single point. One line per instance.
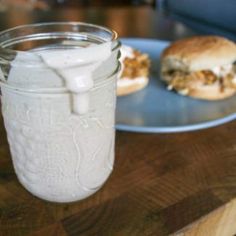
(134, 71)
(202, 67)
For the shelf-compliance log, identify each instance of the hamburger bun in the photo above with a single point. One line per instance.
(134, 71)
(201, 67)
(128, 86)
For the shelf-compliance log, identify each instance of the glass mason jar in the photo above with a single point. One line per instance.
(58, 85)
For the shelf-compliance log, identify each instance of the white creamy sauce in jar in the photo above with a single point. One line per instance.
(76, 67)
(60, 154)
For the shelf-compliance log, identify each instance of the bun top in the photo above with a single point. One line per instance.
(198, 53)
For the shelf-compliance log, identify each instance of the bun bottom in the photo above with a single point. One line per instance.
(211, 93)
(132, 86)
(204, 92)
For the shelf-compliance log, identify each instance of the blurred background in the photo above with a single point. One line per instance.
(163, 19)
(130, 18)
(44, 4)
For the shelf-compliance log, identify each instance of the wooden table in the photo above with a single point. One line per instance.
(161, 184)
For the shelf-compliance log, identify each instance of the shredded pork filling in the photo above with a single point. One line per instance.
(138, 66)
(182, 81)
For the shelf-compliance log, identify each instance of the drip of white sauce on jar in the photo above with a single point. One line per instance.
(76, 67)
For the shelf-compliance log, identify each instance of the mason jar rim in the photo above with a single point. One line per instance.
(7, 54)
(114, 35)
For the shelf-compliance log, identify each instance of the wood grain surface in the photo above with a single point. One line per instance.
(219, 222)
(162, 184)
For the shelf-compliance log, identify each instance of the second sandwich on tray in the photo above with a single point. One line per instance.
(201, 67)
